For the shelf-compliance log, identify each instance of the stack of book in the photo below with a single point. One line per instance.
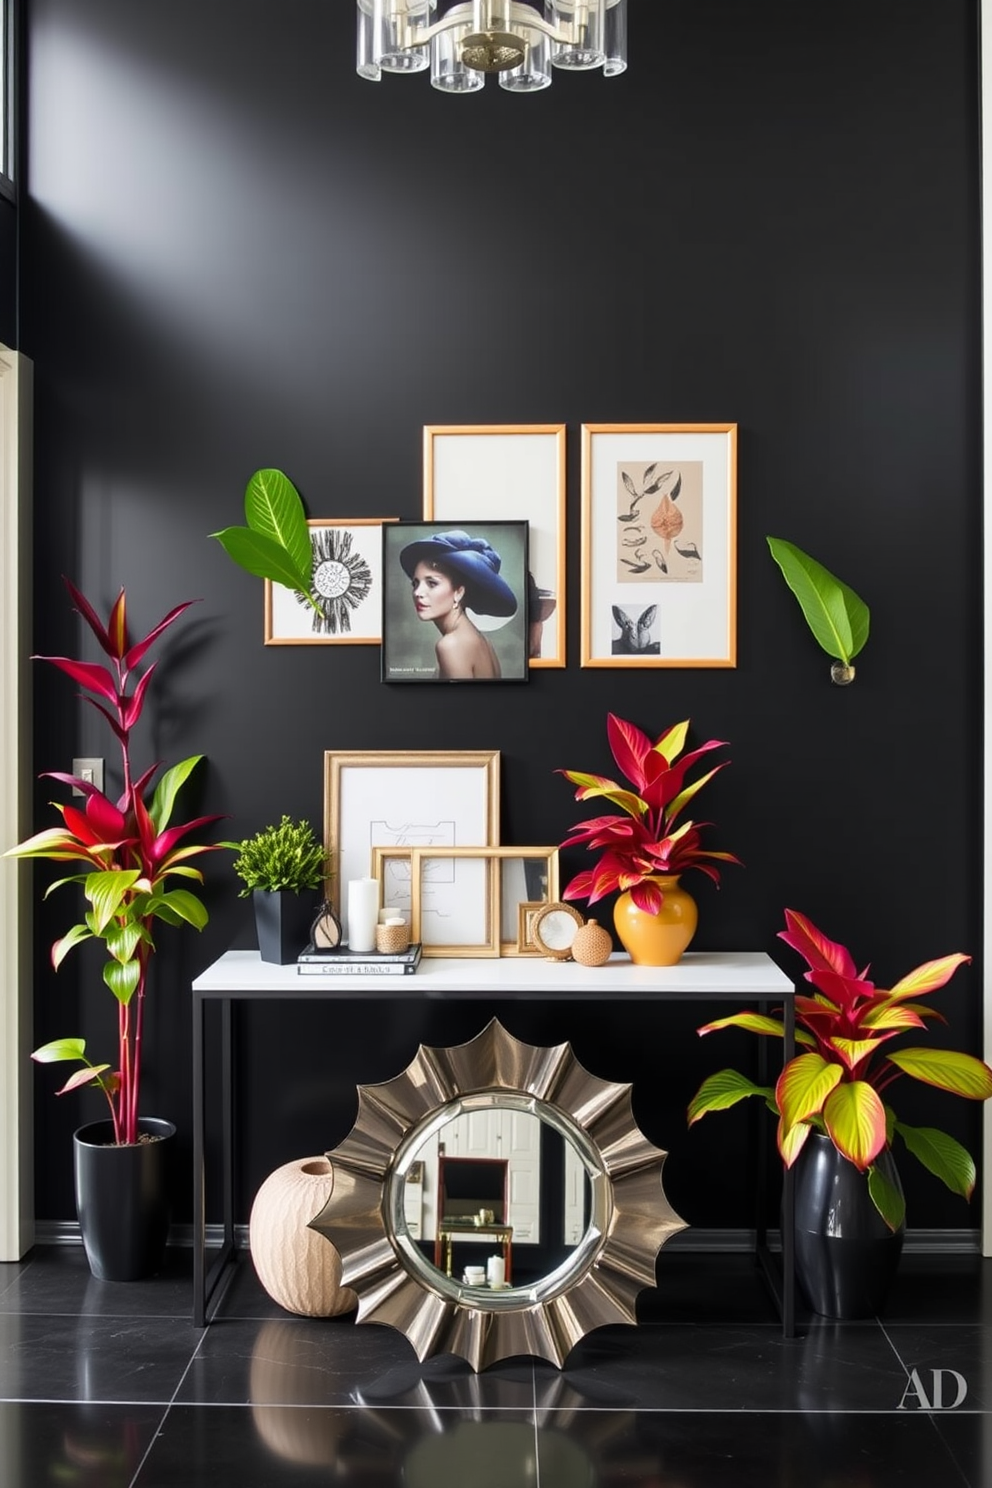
(343, 962)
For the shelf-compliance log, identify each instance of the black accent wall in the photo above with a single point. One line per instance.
(8, 272)
(237, 254)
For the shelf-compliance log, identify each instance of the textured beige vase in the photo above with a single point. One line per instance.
(593, 944)
(299, 1269)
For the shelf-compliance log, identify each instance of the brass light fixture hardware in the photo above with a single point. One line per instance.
(519, 40)
(399, 1123)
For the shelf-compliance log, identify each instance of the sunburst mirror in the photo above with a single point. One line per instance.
(511, 1156)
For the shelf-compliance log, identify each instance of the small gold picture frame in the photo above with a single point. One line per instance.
(527, 912)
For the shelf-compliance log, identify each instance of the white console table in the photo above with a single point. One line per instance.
(241, 976)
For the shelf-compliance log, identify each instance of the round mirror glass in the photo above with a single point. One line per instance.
(497, 1199)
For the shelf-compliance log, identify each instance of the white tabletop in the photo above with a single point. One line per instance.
(709, 973)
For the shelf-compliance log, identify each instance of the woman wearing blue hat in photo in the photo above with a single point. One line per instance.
(453, 573)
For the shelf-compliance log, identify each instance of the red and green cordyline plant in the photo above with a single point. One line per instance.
(644, 841)
(129, 851)
(836, 1086)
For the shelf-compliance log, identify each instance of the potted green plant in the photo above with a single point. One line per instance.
(834, 1122)
(282, 867)
(129, 852)
(645, 848)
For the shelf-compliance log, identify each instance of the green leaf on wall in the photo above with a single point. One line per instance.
(262, 556)
(276, 544)
(273, 509)
(838, 618)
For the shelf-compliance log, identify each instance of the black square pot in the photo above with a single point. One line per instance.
(282, 923)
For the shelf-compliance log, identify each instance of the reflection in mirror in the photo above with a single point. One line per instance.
(523, 880)
(497, 1190)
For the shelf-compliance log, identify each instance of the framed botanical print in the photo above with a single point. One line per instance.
(347, 587)
(476, 471)
(659, 545)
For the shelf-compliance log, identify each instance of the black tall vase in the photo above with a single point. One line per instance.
(123, 1198)
(846, 1255)
(282, 922)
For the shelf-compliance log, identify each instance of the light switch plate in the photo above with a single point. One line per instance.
(88, 769)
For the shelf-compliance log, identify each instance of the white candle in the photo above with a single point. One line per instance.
(390, 915)
(363, 911)
(496, 1272)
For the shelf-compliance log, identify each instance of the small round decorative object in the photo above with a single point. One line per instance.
(300, 1269)
(841, 674)
(325, 932)
(393, 937)
(593, 944)
(555, 928)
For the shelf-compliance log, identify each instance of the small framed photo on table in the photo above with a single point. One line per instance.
(455, 602)
(659, 545)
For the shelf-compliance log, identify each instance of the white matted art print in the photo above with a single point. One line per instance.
(347, 589)
(659, 545)
(403, 799)
(474, 472)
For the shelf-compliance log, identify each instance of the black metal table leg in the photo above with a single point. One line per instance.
(206, 1282)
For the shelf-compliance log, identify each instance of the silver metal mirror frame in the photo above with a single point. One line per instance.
(438, 1316)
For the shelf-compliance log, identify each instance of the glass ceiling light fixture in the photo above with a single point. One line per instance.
(519, 42)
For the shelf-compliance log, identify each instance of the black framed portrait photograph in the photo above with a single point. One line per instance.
(455, 601)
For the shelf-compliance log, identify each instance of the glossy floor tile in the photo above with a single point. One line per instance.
(106, 1386)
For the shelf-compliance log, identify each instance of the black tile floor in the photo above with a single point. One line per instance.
(111, 1386)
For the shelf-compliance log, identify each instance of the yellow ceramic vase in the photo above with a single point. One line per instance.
(659, 939)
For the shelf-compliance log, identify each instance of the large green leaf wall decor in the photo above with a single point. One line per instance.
(838, 618)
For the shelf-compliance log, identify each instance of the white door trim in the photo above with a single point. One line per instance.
(16, 952)
(986, 202)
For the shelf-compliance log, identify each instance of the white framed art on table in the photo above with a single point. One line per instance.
(405, 799)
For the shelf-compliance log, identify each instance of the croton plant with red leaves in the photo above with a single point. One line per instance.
(836, 1086)
(646, 839)
(129, 851)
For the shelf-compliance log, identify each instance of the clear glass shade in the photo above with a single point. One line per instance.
(448, 72)
(585, 22)
(534, 72)
(615, 41)
(387, 36)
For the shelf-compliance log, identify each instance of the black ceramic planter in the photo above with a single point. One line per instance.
(282, 923)
(846, 1255)
(123, 1198)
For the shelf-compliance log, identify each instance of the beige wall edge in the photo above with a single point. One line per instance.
(16, 991)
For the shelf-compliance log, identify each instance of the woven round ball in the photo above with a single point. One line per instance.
(299, 1269)
(593, 944)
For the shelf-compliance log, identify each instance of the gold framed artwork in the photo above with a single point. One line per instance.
(455, 901)
(467, 901)
(404, 799)
(347, 587)
(659, 545)
(476, 472)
